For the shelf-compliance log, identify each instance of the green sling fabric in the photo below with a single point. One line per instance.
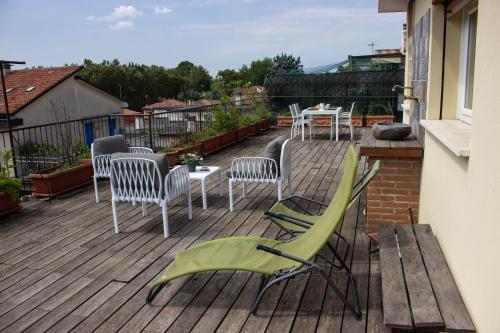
(280, 208)
(240, 253)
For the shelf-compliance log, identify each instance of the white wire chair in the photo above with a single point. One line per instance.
(101, 163)
(139, 180)
(345, 119)
(262, 170)
(297, 122)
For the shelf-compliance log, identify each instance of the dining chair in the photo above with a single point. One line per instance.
(345, 119)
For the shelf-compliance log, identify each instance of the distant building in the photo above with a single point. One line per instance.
(165, 105)
(43, 95)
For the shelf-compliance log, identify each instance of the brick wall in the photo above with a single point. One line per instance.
(394, 189)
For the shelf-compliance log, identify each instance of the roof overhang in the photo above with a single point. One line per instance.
(392, 6)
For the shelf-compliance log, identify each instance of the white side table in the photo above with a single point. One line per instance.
(202, 176)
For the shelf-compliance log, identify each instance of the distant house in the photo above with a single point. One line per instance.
(129, 116)
(205, 102)
(43, 95)
(165, 105)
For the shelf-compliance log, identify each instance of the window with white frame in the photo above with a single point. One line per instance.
(467, 62)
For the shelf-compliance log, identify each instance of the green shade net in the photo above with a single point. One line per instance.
(241, 254)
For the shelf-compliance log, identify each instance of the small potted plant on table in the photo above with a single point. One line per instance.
(192, 160)
(10, 187)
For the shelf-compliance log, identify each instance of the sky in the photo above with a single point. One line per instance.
(216, 34)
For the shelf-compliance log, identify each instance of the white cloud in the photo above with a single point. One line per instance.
(118, 13)
(162, 10)
(121, 25)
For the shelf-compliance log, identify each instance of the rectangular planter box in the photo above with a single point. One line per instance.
(357, 121)
(242, 133)
(211, 145)
(253, 129)
(172, 157)
(228, 138)
(55, 183)
(372, 120)
(265, 124)
(7, 205)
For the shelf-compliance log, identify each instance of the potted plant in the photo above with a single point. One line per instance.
(243, 127)
(254, 126)
(187, 146)
(192, 160)
(171, 154)
(10, 187)
(379, 113)
(357, 118)
(210, 141)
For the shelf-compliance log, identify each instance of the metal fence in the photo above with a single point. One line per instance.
(371, 90)
(47, 146)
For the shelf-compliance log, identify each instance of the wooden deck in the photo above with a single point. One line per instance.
(62, 268)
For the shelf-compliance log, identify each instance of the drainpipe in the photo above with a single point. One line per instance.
(443, 62)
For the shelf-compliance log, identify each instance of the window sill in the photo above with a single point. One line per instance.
(454, 134)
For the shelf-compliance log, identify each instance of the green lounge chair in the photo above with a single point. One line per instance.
(295, 223)
(274, 259)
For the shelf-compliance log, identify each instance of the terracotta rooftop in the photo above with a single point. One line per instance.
(206, 102)
(26, 85)
(164, 104)
(129, 112)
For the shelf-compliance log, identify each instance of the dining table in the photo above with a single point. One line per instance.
(332, 111)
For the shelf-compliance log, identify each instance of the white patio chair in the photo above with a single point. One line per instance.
(345, 119)
(297, 122)
(142, 180)
(263, 169)
(101, 151)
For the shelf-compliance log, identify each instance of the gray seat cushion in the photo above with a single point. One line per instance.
(110, 145)
(273, 149)
(160, 159)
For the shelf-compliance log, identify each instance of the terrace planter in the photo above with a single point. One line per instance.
(242, 133)
(372, 120)
(7, 204)
(52, 183)
(87, 161)
(172, 157)
(357, 121)
(284, 121)
(211, 145)
(253, 129)
(265, 124)
(228, 138)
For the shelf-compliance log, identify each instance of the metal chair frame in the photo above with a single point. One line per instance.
(138, 180)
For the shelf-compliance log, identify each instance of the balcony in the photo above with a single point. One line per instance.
(63, 268)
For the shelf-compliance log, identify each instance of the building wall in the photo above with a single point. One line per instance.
(79, 99)
(460, 196)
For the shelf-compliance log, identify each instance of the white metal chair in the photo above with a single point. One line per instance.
(297, 122)
(101, 158)
(136, 179)
(345, 119)
(262, 170)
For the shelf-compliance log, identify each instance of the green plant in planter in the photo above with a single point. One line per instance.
(166, 149)
(245, 120)
(261, 110)
(208, 133)
(8, 184)
(380, 109)
(226, 120)
(192, 160)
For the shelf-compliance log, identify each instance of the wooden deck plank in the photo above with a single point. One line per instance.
(67, 270)
(424, 308)
(452, 307)
(397, 309)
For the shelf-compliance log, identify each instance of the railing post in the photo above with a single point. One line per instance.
(151, 145)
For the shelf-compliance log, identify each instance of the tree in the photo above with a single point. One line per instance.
(286, 63)
(257, 72)
(229, 75)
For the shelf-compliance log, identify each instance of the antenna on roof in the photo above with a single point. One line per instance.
(372, 44)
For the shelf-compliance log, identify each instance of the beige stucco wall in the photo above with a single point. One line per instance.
(79, 99)
(460, 197)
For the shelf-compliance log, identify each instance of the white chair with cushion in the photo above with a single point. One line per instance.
(146, 179)
(101, 151)
(345, 119)
(273, 167)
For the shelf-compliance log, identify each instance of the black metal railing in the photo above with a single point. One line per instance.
(43, 147)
